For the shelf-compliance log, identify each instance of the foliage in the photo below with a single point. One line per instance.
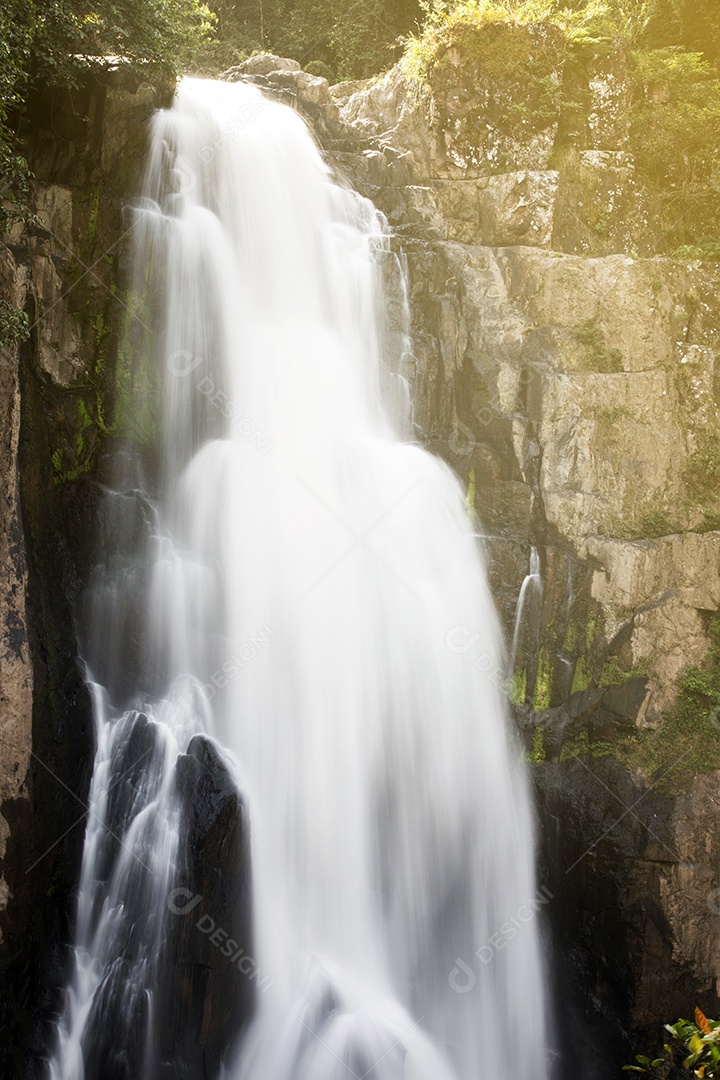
(711, 522)
(13, 324)
(706, 249)
(673, 104)
(155, 36)
(598, 357)
(54, 42)
(329, 38)
(644, 1065)
(688, 740)
(536, 754)
(543, 683)
(694, 1048)
(652, 524)
(614, 675)
(703, 473)
(675, 136)
(700, 1041)
(15, 60)
(515, 45)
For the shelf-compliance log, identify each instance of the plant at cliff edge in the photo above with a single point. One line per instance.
(699, 1043)
(694, 1049)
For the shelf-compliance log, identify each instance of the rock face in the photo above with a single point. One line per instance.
(16, 674)
(212, 977)
(633, 873)
(58, 398)
(574, 395)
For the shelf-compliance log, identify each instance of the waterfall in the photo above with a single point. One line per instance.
(532, 582)
(309, 596)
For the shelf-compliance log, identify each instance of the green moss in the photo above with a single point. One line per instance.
(608, 417)
(134, 391)
(703, 472)
(536, 754)
(101, 330)
(516, 687)
(687, 742)
(613, 675)
(512, 50)
(711, 522)
(581, 746)
(543, 683)
(596, 354)
(593, 629)
(77, 456)
(93, 218)
(571, 638)
(654, 523)
(581, 676)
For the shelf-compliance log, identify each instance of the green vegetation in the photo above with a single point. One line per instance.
(580, 746)
(328, 37)
(536, 754)
(543, 682)
(516, 687)
(655, 523)
(13, 324)
(706, 249)
(582, 679)
(711, 522)
(693, 1049)
(675, 135)
(57, 42)
(613, 675)
(596, 354)
(703, 474)
(541, 50)
(688, 740)
(652, 524)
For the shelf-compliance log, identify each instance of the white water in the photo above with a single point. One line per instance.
(532, 583)
(310, 577)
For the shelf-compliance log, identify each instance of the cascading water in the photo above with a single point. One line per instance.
(532, 583)
(310, 595)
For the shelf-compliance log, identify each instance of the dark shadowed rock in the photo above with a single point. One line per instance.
(634, 915)
(205, 997)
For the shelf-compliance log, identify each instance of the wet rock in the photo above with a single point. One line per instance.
(210, 978)
(635, 914)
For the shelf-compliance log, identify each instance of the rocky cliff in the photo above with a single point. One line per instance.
(59, 399)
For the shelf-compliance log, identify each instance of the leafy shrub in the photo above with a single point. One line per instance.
(514, 45)
(655, 523)
(706, 249)
(13, 324)
(675, 136)
(694, 1048)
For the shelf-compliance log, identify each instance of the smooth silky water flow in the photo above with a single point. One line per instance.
(311, 596)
